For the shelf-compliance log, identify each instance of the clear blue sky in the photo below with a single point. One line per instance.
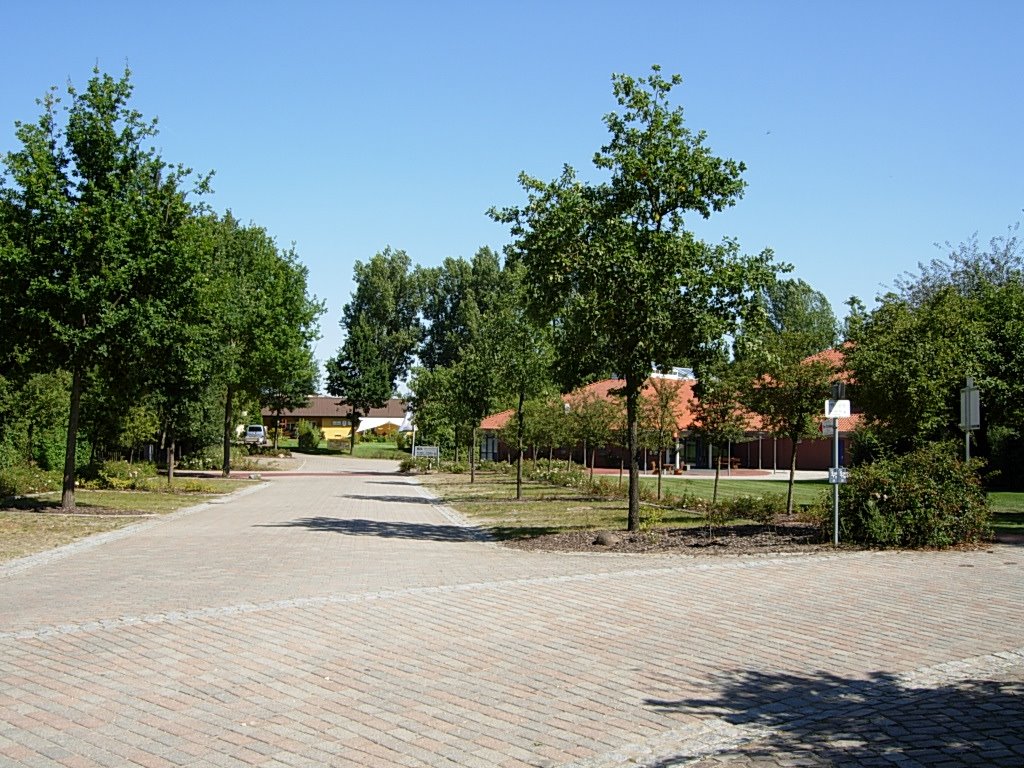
(871, 130)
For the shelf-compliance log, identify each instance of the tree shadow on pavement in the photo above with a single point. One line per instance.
(826, 719)
(388, 499)
(385, 530)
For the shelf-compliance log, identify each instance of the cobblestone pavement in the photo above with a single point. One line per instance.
(349, 620)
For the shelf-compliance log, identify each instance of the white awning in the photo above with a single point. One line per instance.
(372, 422)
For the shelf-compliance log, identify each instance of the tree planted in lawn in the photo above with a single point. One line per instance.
(611, 265)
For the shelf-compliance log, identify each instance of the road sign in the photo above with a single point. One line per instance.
(826, 429)
(970, 407)
(837, 409)
(837, 475)
(427, 452)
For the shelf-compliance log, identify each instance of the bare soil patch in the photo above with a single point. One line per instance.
(723, 540)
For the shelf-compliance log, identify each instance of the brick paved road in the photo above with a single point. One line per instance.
(346, 620)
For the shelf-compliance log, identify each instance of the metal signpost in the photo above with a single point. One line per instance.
(836, 410)
(970, 413)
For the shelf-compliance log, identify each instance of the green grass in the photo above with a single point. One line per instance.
(804, 491)
(1007, 511)
(379, 451)
(491, 502)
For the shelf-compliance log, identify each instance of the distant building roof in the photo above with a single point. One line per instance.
(334, 407)
(604, 389)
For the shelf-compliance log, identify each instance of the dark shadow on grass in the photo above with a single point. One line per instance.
(852, 722)
(385, 530)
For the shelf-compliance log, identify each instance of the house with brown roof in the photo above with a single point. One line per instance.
(758, 451)
(333, 416)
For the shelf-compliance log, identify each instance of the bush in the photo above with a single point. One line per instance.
(122, 476)
(554, 473)
(22, 479)
(410, 464)
(760, 509)
(927, 498)
(310, 436)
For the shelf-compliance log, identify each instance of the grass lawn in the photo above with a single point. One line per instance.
(1007, 511)
(550, 509)
(34, 525)
(804, 491)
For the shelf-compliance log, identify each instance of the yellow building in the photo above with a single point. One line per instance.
(331, 414)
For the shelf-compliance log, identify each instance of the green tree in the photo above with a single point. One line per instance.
(92, 218)
(592, 422)
(382, 328)
(804, 314)
(790, 399)
(659, 419)
(611, 264)
(718, 413)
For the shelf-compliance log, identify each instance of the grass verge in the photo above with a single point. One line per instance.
(545, 509)
(36, 524)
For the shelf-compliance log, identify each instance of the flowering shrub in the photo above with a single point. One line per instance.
(122, 476)
(22, 479)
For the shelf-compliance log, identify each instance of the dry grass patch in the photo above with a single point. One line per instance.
(36, 524)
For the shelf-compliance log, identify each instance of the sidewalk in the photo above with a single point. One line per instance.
(348, 620)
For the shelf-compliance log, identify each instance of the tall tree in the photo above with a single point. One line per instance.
(612, 265)
(92, 215)
(804, 314)
(382, 330)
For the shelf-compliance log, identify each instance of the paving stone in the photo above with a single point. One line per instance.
(345, 618)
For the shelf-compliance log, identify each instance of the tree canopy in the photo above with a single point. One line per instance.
(611, 266)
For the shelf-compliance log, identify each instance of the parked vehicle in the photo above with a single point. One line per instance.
(255, 434)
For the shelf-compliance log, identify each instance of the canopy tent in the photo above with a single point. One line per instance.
(372, 422)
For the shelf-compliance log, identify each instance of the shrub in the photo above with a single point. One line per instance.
(411, 464)
(927, 498)
(310, 436)
(554, 473)
(22, 479)
(760, 509)
(120, 475)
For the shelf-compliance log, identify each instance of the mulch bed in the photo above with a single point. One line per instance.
(81, 510)
(724, 540)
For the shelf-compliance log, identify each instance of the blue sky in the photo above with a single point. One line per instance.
(871, 130)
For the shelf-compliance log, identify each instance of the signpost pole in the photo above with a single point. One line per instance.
(836, 409)
(835, 486)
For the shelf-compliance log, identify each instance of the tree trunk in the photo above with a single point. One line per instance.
(170, 463)
(718, 471)
(277, 427)
(593, 461)
(67, 497)
(353, 422)
(633, 448)
(228, 406)
(584, 454)
(792, 477)
(472, 459)
(521, 418)
(660, 473)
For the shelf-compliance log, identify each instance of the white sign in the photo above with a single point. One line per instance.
(837, 409)
(837, 475)
(427, 452)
